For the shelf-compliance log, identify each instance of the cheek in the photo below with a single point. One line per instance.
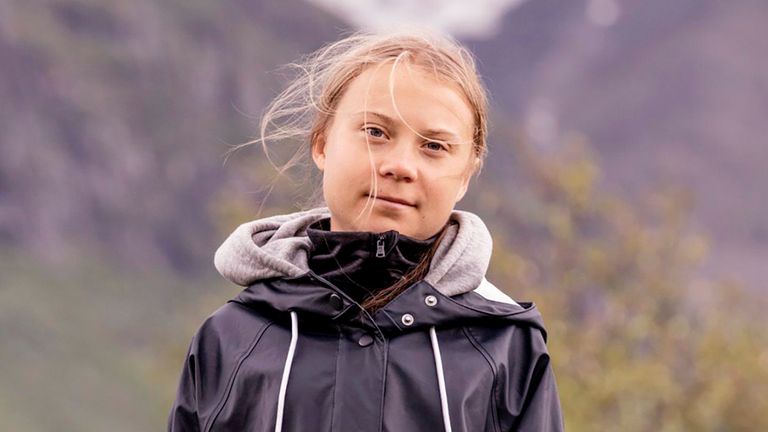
(353, 168)
(438, 198)
(346, 174)
(444, 197)
(347, 156)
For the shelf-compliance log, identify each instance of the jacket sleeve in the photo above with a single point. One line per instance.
(541, 405)
(530, 401)
(211, 363)
(184, 412)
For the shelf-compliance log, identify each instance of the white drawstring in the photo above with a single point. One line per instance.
(440, 379)
(286, 372)
(289, 362)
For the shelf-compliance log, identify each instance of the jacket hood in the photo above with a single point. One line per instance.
(270, 257)
(278, 246)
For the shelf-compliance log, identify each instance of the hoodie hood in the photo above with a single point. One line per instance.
(278, 247)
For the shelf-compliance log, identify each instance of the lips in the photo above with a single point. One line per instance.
(395, 200)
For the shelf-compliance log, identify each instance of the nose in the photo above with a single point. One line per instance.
(399, 162)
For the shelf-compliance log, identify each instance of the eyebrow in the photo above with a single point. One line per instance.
(389, 121)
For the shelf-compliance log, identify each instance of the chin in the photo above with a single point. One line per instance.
(374, 220)
(381, 223)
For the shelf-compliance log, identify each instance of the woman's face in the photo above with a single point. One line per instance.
(430, 173)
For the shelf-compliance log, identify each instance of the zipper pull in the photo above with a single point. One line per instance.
(380, 247)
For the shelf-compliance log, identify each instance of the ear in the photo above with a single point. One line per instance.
(318, 151)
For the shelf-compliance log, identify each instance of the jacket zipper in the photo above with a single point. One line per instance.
(380, 246)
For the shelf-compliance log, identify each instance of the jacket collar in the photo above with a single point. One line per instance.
(363, 262)
(311, 296)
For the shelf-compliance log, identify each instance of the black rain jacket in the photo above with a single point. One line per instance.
(296, 352)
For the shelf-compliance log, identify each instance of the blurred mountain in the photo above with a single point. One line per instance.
(115, 117)
(666, 92)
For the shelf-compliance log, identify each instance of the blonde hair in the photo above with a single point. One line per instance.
(305, 108)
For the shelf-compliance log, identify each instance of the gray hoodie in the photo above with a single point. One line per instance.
(278, 246)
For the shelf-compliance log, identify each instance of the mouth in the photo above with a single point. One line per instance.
(394, 200)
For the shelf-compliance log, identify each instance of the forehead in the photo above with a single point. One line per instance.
(420, 100)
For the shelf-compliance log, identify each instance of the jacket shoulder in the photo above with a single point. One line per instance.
(221, 343)
(489, 292)
(231, 327)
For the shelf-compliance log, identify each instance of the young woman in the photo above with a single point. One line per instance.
(372, 312)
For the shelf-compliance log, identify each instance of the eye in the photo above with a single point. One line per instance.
(436, 146)
(375, 131)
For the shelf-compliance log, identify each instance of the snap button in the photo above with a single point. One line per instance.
(430, 300)
(365, 340)
(336, 302)
(407, 319)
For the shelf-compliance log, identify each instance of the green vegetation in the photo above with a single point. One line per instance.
(639, 341)
(85, 346)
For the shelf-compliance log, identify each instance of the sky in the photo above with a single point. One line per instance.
(479, 19)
